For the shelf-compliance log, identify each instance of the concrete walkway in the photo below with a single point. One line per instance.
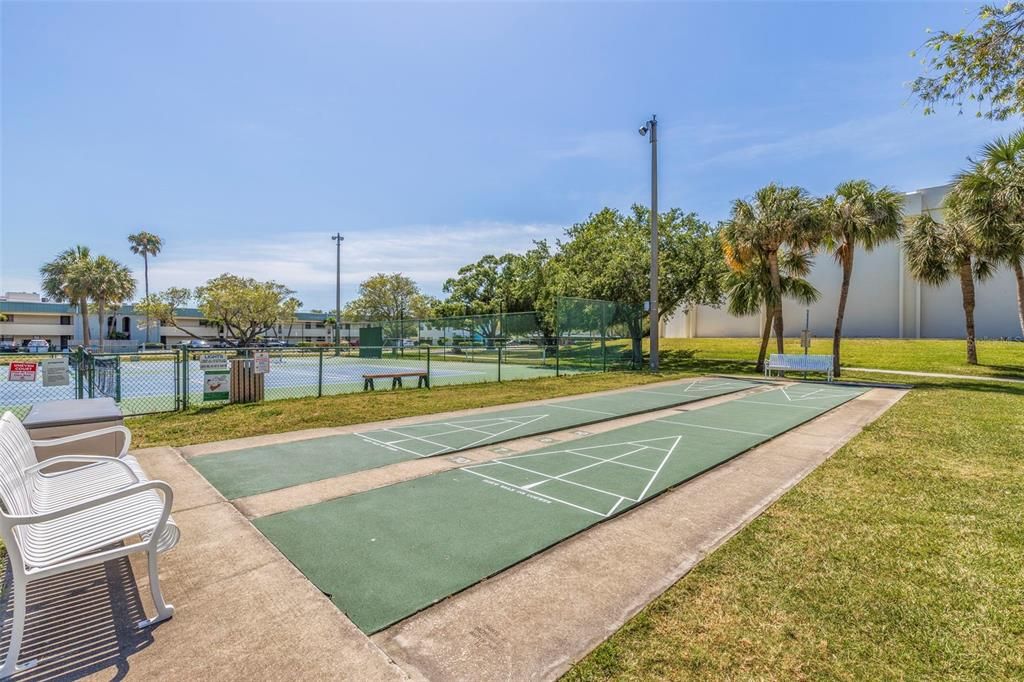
(936, 375)
(243, 612)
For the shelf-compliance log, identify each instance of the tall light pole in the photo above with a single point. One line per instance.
(337, 295)
(652, 127)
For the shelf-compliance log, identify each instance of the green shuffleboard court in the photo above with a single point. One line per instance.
(385, 554)
(240, 473)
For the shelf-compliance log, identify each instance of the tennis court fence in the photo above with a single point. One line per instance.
(580, 335)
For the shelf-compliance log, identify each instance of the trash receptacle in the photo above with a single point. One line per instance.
(59, 418)
(246, 382)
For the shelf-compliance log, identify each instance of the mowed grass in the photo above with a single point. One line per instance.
(899, 558)
(947, 356)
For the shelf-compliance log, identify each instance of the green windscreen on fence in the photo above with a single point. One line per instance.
(370, 341)
(598, 334)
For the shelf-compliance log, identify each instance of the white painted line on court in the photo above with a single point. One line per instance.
(582, 409)
(532, 492)
(786, 405)
(389, 445)
(562, 480)
(714, 428)
(660, 467)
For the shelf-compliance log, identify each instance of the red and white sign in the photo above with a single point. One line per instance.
(23, 371)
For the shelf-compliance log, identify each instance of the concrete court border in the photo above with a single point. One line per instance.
(244, 611)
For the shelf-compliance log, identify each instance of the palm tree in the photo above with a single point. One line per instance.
(938, 252)
(749, 289)
(145, 244)
(67, 279)
(857, 214)
(112, 284)
(777, 218)
(992, 198)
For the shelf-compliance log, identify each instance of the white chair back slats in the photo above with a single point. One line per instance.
(15, 492)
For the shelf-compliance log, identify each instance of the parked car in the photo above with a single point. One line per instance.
(275, 343)
(198, 343)
(38, 346)
(8, 347)
(221, 343)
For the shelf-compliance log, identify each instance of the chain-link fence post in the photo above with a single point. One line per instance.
(177, 380)
(184, 379)
(499, 362)
(320, 376)
(429, 382)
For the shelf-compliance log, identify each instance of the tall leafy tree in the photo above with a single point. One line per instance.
(510, 283)
(389, 298)
(145, 244)
(992, 203)
(938, 252)
(985, 66)
(163, 308)
(776, 219)
(68, 279)
(247, 308)
(112, 283)
(608, 257)
(857, 214)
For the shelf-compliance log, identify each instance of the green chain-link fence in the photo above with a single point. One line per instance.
(581, 335)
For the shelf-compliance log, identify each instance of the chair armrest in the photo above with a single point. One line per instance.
(89, 434)
(168, 495)
(95, 459)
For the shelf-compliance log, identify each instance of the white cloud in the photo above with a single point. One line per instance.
(305, 261)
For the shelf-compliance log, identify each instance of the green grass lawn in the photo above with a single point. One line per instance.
(947, 356)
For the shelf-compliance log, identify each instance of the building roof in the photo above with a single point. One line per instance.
(34, 307)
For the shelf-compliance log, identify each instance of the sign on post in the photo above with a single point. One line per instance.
(213, 362)
(55, 372)
(22, 371)
(261, 362)
(216, 384)
(805, 339)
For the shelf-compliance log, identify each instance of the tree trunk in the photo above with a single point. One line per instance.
(844, 292)
(967, 290)
(765, 335)
(773, 270)
(145, 266)
(99, 318)
(83, 312)
(1018, 272)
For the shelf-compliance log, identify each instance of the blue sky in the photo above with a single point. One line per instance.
(429, 134)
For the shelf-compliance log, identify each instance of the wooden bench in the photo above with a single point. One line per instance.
(799, 363)
(59, 522)
(423, 379)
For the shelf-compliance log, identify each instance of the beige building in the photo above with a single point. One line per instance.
(885, 301)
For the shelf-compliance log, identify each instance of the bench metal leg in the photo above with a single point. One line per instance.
(396, 382)
(423, 382)
(17, 632)
(163, 609)
(367, 384)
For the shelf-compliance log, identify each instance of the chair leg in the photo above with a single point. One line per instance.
(163, 609)
(17, 633)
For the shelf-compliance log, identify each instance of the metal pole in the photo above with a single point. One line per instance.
(337, 297)
(654, 317)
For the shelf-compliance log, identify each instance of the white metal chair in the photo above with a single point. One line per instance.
(58, 522)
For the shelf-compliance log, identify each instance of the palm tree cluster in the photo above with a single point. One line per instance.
(769, 244)
(78, 277)
(982, 228)
(769, 241)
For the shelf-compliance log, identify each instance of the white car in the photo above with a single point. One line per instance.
(38, 346)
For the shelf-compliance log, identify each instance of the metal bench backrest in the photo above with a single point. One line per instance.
(821, 363)
(16, 454)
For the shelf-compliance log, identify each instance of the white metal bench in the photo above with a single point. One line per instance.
(799, 363)
(59, 522)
